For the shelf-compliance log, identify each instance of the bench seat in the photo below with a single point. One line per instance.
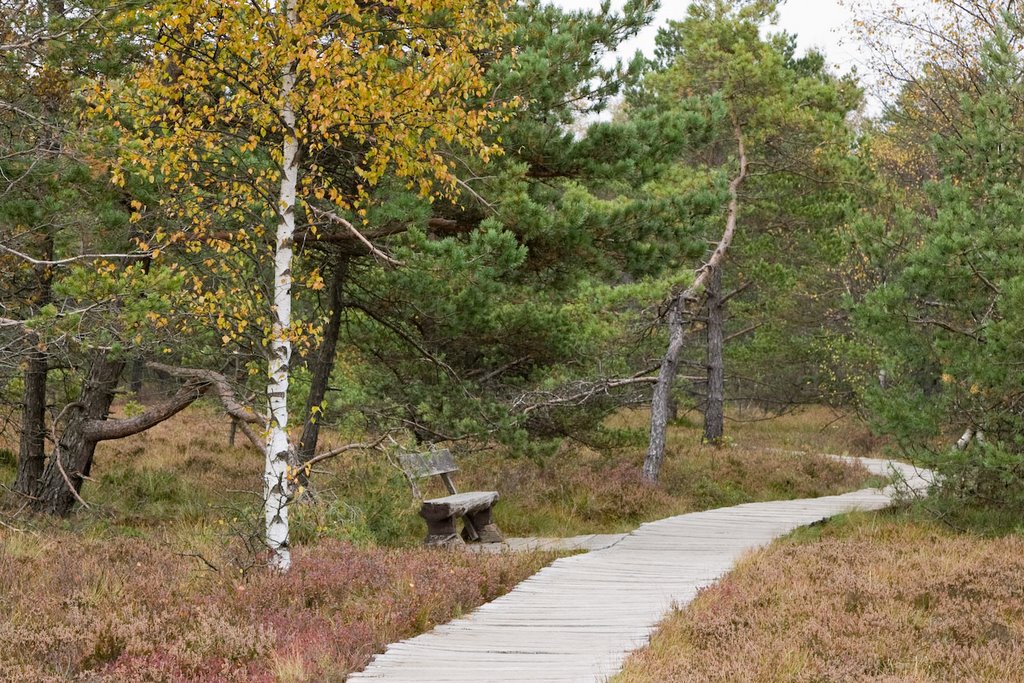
(458, 505)
(441, 515)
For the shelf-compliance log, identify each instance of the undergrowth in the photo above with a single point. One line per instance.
(132, 609)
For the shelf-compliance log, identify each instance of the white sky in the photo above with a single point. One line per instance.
(820, 24)
(816, 23)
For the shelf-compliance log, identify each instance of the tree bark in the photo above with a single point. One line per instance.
(276, 481)
(676, 316)
(714, 408)
(32, 448)
(322, 366)
(71, 459)
(106, 430)
(662, 398)
(88, 424)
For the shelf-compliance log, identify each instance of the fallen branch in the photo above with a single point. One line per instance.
(67, 480)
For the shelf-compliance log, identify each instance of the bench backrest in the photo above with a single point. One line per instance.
(420, 465)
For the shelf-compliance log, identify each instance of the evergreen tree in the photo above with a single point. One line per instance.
(946, 324)
(789, 115)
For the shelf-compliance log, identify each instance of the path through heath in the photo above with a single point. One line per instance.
(578, 619)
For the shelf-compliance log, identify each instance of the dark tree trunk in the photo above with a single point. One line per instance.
(135, 380)
(72, 456)
(32, 450)
(323, 363)
(714, 408)
(32, 447)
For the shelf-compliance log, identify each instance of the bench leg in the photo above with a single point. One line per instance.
(486, 529)
(441, 533)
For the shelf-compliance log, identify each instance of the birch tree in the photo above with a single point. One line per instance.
(253, 116)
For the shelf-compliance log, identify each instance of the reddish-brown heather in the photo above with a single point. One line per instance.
(113, 594)
(879, 599)
(125, 610)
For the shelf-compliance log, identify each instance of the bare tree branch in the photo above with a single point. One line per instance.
(578, 393)
(73, 259)
(743, 332)
(377, 253)
(226, 395)
(335, 452)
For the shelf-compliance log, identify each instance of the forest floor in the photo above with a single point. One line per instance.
(158, 579)
(885, 596)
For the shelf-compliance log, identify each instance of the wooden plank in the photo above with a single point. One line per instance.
(578, 618)
(458, 505)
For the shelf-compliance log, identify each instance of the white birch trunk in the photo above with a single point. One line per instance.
(277, 486)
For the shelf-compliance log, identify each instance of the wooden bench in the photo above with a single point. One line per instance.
(441, 513)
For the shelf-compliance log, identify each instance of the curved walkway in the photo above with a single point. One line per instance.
(577, 619)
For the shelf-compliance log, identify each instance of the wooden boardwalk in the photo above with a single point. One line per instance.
(578, 619)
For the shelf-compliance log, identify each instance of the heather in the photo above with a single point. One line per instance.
(160, 578)
(879, 597)
(129, 609)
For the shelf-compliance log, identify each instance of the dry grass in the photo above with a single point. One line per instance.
(812, 429)
(583, 490)
(876, 598)
(184, 471)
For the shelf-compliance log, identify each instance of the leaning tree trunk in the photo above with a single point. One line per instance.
(677, 314)
(276, 480)
(714, 408)
(661, 401)
(71, 459)
(322, 366)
